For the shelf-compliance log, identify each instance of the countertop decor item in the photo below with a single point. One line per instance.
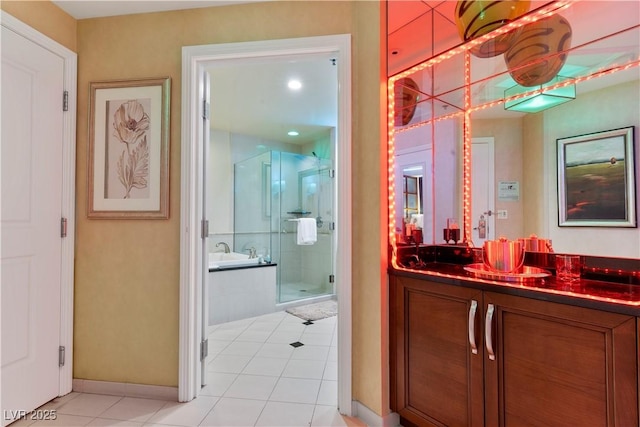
(503, 256)
(523, 274)
(129, 149)
(535, 244)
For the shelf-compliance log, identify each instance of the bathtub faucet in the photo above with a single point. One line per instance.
(252, 252)
(226, 247)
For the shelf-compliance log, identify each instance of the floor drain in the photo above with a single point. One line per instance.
(296, 344)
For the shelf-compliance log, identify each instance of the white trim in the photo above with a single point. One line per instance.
(68, 187)
(193, 60)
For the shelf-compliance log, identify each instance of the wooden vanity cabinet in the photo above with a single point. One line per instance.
(436, 379)
(559, 365)
(538, 363)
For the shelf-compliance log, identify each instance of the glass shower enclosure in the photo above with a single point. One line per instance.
(271, 192)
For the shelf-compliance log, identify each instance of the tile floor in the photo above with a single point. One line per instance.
(256, 378)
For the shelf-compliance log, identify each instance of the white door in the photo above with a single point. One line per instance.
(31, 150)
(482, 191)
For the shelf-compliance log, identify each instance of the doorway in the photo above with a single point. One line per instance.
(195, 98)
(269, 167)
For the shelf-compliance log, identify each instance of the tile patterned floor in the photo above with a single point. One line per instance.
(255, 378)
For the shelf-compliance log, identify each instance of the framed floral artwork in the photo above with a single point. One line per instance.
(596, 179)
(128, 149)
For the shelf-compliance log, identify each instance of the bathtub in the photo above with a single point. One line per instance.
(240, 292)
(220, 260)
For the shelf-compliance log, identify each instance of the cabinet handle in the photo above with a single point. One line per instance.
(472, 326)
(487, 331)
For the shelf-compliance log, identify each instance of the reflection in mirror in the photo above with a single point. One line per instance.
(601, 64)
(428, 152)
(526, 154)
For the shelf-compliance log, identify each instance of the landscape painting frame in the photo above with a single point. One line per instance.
(596, 179)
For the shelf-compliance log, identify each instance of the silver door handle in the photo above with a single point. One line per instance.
(472, 326)
(487, 331)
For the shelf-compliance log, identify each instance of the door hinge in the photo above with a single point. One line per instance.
(205, 228)
(332, 226)
(204, 349)
(206, 109)
(63, 227)
(332, 278)
(61, 356)
(65, 100)
(332, 173)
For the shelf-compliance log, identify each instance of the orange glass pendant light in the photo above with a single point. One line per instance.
(406, 93)
(475, 18)
(538, 51)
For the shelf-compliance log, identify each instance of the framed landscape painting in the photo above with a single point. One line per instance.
(596, 179)
(128, 149)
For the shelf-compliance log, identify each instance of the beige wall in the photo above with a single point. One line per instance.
(127, 271)
(369, 205)
(46, 18)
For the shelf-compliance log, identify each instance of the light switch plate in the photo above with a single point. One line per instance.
(502, 214)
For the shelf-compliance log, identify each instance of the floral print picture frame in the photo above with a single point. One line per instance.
(128, 149)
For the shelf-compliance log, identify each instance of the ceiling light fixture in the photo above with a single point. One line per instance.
(294, 84)
(293, 133)
(543, 97)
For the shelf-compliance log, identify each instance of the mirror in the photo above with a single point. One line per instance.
(525, 153)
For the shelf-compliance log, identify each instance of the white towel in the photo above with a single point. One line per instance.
(419, 220)
(307, 233)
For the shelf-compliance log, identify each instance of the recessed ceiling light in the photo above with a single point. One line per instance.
(294, 84)
(293, 133)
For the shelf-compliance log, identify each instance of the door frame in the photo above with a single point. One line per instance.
(194, 59)
(67, 243)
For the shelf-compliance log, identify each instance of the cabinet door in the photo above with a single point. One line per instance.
(436, 377)
(558, 365)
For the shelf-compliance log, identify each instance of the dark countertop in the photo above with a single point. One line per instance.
(603, 295)
(242, 267)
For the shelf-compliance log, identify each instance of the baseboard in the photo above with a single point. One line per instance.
(371, 419)
(126, 389)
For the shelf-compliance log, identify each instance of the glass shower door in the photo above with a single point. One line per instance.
(307, 271)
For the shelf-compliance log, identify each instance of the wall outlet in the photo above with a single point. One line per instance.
(502, 214)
